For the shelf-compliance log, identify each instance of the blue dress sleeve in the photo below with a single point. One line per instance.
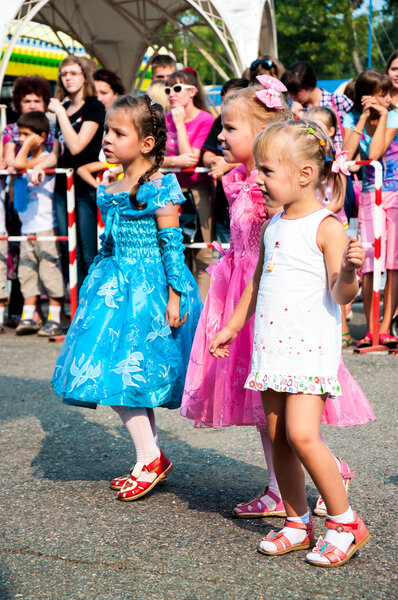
(172, 251)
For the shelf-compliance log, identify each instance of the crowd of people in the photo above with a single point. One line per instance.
(141, 338)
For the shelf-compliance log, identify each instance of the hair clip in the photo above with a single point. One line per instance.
(310, 130)
(153, 102)
(327, 159)
(270, 95)
(322, 143)
(297, 118)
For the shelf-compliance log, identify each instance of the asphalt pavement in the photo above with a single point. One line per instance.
(64, 536)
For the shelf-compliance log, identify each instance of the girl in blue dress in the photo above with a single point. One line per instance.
(129, 343)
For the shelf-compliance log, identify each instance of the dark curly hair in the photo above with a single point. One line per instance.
(111, 78)
(148, 119)
(30, 84)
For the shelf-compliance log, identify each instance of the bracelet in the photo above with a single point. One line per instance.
(356, 131)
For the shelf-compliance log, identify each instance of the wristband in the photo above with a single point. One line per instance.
(355, 130)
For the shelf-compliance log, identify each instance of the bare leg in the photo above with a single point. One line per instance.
(288, 469)
(303, 415)
(390, 300)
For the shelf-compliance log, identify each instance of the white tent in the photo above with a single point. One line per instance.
(118, 32)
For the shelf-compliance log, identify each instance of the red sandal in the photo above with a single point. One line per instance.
(283, 545)
(118, 482)
(135, 487)
(336, 556)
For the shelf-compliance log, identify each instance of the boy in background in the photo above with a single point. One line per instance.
(162, 66)
(40, 265)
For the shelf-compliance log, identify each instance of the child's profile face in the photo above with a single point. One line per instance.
(237, 135)
(121, 142)
(274, 181)
(36, 140)
(383, 98)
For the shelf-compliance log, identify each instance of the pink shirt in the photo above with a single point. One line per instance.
(197, 131)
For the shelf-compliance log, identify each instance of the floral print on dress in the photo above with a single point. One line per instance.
(293, 384)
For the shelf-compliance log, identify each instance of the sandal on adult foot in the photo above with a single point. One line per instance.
(118, 482)
(257, 508)
(346, 340)
(385, 339)
(366, 341)
(283, 545)
(347, 475)
(335, 556)
(135, 487)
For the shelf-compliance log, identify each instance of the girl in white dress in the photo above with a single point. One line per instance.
(306, 268)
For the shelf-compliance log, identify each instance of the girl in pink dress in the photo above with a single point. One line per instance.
(214, 394)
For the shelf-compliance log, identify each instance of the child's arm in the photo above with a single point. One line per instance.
(342, 257)
(22, 158)
(9, 155)
(352, 136)
(85, 172)
(48, 162)
(244, 310)
(173, 251)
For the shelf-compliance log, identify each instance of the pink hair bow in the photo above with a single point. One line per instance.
(339, 163)
(270, 95)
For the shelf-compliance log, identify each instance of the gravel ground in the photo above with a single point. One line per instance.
(63, 536)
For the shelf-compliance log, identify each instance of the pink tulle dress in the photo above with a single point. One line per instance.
(214, 394)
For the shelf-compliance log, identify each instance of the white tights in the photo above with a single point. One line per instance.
(140, 423)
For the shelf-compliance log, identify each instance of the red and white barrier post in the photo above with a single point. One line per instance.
(377, 226)
(72, 241)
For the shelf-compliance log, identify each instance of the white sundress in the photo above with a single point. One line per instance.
(297, 332)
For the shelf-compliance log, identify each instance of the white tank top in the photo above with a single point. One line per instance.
(297, 336)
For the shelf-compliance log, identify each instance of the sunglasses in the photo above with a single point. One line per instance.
(266, 64)
(177, 88)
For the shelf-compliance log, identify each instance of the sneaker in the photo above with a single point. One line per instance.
(52, 329)
(28, 326)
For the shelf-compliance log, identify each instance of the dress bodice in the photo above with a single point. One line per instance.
(131, 232)
(248, 211)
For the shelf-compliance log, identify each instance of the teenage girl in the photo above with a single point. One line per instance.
(306, 268)
(372, 127)
(129, 343)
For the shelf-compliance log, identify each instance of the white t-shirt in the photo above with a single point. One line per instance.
(39, 215)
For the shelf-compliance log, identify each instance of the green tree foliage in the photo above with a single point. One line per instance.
(323, 33)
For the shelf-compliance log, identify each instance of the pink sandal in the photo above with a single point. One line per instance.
(256, 507)
(336, 556)
(347, 475)
(283, 545)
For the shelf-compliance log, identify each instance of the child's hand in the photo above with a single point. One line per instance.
(37, 175)
(33, 140)
(370, 102)
(297, 109)
(219, 167)
(188, 160)
(172, 315)
(219, 344)
(354, 255)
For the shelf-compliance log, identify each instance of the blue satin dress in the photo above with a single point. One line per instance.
(119, 350)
